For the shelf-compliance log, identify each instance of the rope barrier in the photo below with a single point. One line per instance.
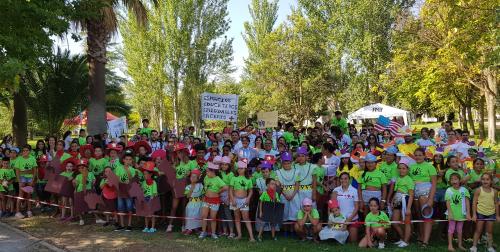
(221, 220)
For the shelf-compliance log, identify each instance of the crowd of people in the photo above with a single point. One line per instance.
(331, 181)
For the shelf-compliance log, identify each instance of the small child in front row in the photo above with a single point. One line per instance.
(7, 177)
(457, 203)
(484, 211)
(376, 223)
(194, 192)
(269, 195)
(150, 190)
(335, 229)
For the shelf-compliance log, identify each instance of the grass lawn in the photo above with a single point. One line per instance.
(72, 237)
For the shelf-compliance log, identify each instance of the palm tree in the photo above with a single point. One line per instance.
(99, 30)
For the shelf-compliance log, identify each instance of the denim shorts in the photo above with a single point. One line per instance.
(25, 180)
(125, 205)
(486, 217)
(439, 196)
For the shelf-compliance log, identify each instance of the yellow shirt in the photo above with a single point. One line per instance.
(407, 149)
(353, 173)
(486, 202)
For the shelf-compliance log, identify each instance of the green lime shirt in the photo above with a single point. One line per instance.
(122, 174)
(67, 174)
(149, 190)
(7, 174)
(373, 178)
(214, 184)
(456, 199)
(314, 214)
(97, 165)
(474, 177)
(241, 183)
(182, 170)
(226, 177)
(256, 175)
(450, 171)
(380, 217)
(79, 181)
(319, 172)
(422, 172)
(404, 184)
(146, 131)
(25, 164)
(264, 197)
(389, 170)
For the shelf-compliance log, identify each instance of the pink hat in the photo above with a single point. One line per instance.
(405, 161)
(307, 202)
(213, 166)
(197, 172)
(333, 204)
(242, 164)
(226, 160)
(217, 159)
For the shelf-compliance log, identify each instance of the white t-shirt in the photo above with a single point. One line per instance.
(347, 200)
(460, 147)
(331, 165)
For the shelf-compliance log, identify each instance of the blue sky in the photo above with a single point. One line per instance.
(238, 14)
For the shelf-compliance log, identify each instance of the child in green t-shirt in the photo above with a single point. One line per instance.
(376, 222)
(270, 195)
(7, 177)
(457, 202)
(402, 193)
(26, 168)
(150, 190)
(67, 202)
(307, 217)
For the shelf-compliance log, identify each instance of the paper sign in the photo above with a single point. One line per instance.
(219, 107)
(117, 127)
(147, 208)
(79, 203)
(272, 212)
(60, 185)
(56, 165)
(267, 119)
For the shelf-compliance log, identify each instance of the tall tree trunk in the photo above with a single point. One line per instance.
(20, 120)
(490, 95)
(463, 113)
(176, 104)
(97, 40)
(481, 118)
(472, 129)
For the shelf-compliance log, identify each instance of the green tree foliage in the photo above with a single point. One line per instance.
(55, 90)
(182, 47)
(445, 57)
(292, 76)
(25, 30)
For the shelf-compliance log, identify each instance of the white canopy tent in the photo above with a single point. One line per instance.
(373, 111)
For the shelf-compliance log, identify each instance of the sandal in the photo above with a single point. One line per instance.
(424, 245)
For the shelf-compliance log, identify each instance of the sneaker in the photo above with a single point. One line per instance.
(214, 236)
(169, 228)
(203, 235)
(491, 249)
(19, 215)
(30, 214)
(119, 228)
(381, 245)
(231, 236)
(145, 230)
(275, 238)
(82, 223)
(128, 229)
(398, 242)
(152, 230)
(473, 249)
(100, 221)
(403, 244)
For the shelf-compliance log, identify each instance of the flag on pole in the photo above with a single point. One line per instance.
(384, 123)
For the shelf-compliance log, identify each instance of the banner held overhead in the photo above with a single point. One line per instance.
(219, 107)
